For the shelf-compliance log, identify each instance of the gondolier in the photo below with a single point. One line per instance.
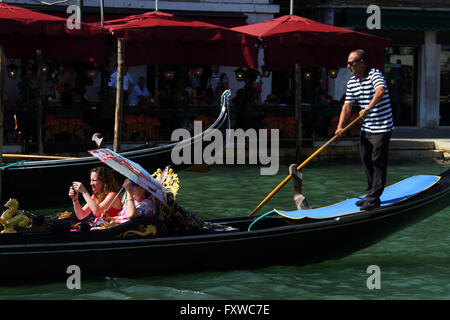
(368, 88)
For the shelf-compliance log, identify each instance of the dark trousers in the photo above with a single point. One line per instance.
(374, 149)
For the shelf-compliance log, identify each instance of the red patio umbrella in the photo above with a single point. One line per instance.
(26, 34)
(24, 31)
(161, 38)
(290, 40)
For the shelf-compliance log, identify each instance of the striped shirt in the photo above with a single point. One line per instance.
(379, 118)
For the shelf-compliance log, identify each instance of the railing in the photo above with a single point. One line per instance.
(77, 123)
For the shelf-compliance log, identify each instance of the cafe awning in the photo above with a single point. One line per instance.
(23, 32)
(161, 38)
(291, 39)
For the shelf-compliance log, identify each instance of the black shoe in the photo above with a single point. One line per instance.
(360, 202)
(370, 204)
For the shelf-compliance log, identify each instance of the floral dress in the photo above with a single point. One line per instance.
(144, 208)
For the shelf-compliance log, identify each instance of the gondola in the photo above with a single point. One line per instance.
(26, 180)
(139, 247)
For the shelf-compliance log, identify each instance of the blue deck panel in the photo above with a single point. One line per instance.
(392, 194)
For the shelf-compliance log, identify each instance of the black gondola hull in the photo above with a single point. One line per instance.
(275, 241)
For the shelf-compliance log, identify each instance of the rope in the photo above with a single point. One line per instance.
(12, 164)
(265, 214)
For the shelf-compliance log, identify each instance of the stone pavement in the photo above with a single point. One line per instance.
(406, 143)
(421, 143)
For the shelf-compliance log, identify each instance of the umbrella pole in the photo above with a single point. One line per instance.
(80, 6)
(119, 95)
(2, 85)
(102, 14)
(112, 201)
(40, 80)
(298, 111)
(156, 84)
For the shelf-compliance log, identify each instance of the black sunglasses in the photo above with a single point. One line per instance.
(351, 63)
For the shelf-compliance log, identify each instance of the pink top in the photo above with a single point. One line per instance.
(144, 208)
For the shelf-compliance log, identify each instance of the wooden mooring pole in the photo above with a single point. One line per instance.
(40, 110)
(298, 112)
(119, 95)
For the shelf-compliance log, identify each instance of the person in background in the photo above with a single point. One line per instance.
(218, 96)
(66, 84)
(217, 78)
(199, 96)
(271, 100)
(139, 93)
(368, 88)
(127, 84)
(252, 87)
(164, 97)
(104, 191)
(209, 97)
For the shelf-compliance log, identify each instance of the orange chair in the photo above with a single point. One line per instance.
(152, 127)
(64, 125)
(78, 129)
(71, 125)
(130, 125)
(271, 121)
(51, 126)
(140, 123)
(289, 127)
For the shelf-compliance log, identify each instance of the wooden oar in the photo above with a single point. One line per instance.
(304, 164)
(33, 156)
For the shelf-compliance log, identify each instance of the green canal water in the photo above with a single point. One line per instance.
(414, 263)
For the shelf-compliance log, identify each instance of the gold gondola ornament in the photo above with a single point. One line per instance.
(11, 218)
(168, 179)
